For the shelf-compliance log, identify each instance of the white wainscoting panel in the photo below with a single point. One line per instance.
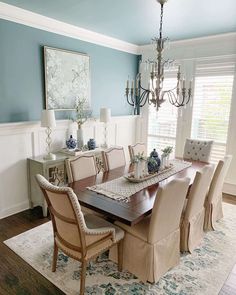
(15, 148)
(19, 141)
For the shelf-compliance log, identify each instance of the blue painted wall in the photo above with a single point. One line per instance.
(22, 74)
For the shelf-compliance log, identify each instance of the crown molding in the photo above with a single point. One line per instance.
(38, 21)
(210, 38)
(194, 41)
(35, 20)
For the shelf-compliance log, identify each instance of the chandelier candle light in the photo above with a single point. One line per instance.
(134, 96)
(48, 121)
(105, 117)
(138, 96)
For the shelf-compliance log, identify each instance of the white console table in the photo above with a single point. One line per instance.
(54, 171)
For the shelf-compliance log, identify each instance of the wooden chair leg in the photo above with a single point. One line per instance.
(54, 261)
(83, 276)
(120, 255)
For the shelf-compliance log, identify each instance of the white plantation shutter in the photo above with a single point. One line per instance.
(211, 104)
(162, 123)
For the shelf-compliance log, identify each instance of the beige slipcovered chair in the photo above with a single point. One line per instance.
(198, 150)
(113, 158)
(213, 204)
(81, 167)
(192, 220)
(152, 246)
(78, 236)
(138, 148)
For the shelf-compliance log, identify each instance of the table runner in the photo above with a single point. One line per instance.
(121, 189)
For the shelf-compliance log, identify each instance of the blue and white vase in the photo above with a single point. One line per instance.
(154, 162)
(91, 144)
(71, 143)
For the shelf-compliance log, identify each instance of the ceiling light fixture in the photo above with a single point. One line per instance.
(137, 96)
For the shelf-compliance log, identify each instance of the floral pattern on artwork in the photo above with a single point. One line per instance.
(67, 77)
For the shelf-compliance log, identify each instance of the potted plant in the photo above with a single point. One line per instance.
(82, 114)
(140, 165)
(166, 155)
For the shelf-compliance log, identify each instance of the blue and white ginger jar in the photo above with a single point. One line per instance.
(154, 162)
(71, 143)
(91, 144)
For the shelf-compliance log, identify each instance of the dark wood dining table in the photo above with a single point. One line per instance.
(141, 203)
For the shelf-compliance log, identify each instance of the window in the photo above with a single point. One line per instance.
(211, 104)
(162, 124)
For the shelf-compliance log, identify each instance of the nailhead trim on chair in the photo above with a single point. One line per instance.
(79, 215)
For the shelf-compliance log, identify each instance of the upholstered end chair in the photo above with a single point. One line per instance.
(152, 246)
(192, 220)
(78, 236)
(213, 203)
(138, 148)
(198, 150)
(113, 158)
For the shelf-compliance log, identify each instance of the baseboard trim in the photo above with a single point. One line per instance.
(229, 188)
(14, 209)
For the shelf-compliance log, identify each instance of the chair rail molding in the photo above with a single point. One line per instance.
(35, 20)
(23, 140)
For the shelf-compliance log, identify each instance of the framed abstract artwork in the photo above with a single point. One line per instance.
(67, 78)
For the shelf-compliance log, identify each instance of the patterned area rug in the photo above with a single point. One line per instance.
(201, 273)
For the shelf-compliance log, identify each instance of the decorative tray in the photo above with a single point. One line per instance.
(130, 177)
(75, 152)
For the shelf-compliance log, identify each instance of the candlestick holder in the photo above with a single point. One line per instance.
(136, 97)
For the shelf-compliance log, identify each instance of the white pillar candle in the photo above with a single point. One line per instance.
(190, 84)
(152, 68)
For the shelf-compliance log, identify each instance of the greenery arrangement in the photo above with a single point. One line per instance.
(82, 112)
(167, 150)
(139, 157)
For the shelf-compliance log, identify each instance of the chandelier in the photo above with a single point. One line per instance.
(137, 95)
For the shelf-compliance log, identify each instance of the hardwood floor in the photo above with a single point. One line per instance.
(18, 278)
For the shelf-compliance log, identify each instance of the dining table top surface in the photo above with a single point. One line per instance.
(140, 204)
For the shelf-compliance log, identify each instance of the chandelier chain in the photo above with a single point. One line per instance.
(161, 22)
